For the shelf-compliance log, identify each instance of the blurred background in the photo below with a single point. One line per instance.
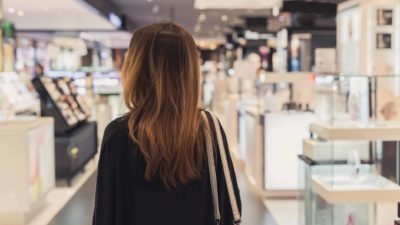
(308, 92)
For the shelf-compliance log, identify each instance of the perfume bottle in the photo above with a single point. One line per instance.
(354, 161)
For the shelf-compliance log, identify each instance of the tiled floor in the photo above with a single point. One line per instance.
(79, 209)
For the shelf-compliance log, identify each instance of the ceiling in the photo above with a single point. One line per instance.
(203, 18)
(201, 23)
(211, 22)
(236, 4)
(55, 15)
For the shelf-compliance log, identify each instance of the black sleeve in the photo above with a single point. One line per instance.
(105, 204)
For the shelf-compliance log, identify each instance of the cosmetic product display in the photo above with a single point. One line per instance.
(75, 137)
(342, 163)
(60, 97)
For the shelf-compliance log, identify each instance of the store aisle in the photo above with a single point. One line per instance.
(79, 209)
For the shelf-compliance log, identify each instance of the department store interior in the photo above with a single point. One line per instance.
(308, 93)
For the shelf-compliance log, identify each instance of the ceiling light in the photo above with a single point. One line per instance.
(155, 9)
(224, 18)
(20, 13)
(149, 0)
(213, 46)
(202, 17)
(275, 11)
(11, 10)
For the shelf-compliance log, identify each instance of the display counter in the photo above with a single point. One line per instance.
(250, 145)
(283, 134)
(230, 123)
(350, 172)
(27, 168)
(270, 145)
(75, 136)
(231, 120)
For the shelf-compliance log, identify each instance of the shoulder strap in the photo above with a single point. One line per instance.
(227, 174)
(211, 169)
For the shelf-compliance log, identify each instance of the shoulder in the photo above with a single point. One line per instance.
(118, 128)
(116, 143)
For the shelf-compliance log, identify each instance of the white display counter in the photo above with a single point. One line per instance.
(26, 167)
(271, 143)
(230, 123)
(283, 137)
(250, 140)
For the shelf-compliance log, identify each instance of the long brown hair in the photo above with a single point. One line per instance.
(161, 88)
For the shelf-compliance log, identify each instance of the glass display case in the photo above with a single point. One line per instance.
(289, 91)
(267, 136)
(350, 164)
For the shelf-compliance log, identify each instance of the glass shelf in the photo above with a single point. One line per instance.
(371, 132)
(369, 188)
(320, 151)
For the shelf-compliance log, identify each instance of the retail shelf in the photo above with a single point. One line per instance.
(365, 189)
(327, 150)
(384, 132)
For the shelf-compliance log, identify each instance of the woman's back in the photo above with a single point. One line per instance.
(153, 168)
(125, 197)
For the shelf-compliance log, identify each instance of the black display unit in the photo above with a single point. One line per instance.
(75, 137)
(397, 222)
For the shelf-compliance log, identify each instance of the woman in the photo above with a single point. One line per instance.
(152, 167)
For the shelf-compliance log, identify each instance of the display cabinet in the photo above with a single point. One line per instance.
(367, 37)
(26, 167)
(267, 136)
(350, 164)
(75, 137)
(289, 91)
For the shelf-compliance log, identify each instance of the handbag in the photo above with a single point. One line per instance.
(213, 175)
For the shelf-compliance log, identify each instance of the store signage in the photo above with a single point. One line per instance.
(115, 20)
(251, 35)
(236, 4)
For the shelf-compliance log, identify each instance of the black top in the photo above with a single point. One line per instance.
(125, 197)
